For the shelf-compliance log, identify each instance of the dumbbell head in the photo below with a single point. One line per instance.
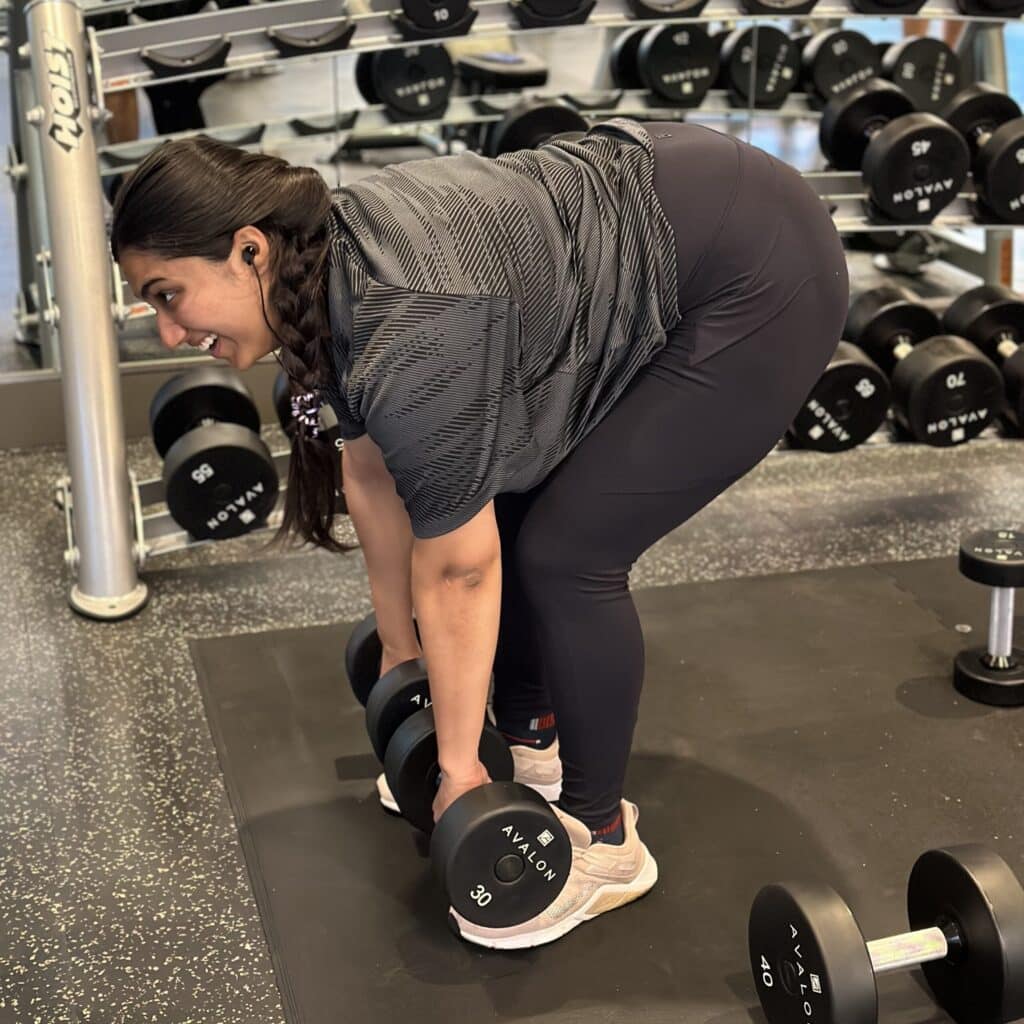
(208, 394)
(991, 123)
(835, 61)
(847, 405)
(412, 82)
(913, 164)
(851, 120)
(363, 654)
(992, 317)
(622, 59)
(530, 123)
(973, 892)
(761, 65)
(678, 63)
(926, 69)
(501, 854)
(994, 674)
(944, 391)
(810, 960)
(994, 558)
(881, 320)
(219, 477)
(398, 694)
(413, 773)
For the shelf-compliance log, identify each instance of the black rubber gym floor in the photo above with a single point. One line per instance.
(792, 726)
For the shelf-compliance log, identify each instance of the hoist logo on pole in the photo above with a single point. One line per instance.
(66, 128)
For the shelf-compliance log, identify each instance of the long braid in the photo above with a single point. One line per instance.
(305, 358)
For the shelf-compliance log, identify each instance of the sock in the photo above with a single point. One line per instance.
(537, 732)
(613, 832)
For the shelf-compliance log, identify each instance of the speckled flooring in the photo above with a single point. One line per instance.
(124, 895)
(123, 892)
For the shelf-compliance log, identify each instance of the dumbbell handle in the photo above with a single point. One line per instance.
(1000, 624)
(899, 952)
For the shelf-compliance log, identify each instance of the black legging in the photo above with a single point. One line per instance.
(763, 291)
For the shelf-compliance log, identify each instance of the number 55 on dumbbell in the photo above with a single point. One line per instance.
(219, 479)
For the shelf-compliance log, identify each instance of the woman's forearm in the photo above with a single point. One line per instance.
(458, 620)
(385, 535)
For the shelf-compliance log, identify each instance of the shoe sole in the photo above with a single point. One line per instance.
(640, 886)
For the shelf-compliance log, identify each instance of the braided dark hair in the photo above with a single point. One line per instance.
(187, 198)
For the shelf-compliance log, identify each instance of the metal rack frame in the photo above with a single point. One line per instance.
(59, 83)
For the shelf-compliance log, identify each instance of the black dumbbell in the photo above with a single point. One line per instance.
(991, 123)
(834, 62)
(499, 850)
(926, 69)
(530, 123)
(363, 654)
(219, 477)
(847, 405)
(677, 63)
(760, 66)
(398, 694)
(994, 674)
(487, 74)
(414, 83)
(944, 390)
(622, 59)
(913, 164)
(412, 770)
(992, 317)
(965, 906)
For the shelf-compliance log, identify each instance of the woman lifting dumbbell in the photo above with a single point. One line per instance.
(540, 364)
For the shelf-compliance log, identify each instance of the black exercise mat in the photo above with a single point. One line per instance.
(798, 725)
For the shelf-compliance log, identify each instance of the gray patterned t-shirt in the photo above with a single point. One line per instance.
(486, 314)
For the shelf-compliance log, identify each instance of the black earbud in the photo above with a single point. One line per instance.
(249, 254)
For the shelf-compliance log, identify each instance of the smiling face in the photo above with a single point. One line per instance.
(196, 298)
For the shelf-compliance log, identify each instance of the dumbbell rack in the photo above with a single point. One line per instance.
(155, 533)
(60, 72)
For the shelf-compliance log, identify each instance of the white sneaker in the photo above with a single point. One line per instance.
(602, 878)
(539, 769)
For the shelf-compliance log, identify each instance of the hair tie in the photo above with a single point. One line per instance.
(306, 412)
